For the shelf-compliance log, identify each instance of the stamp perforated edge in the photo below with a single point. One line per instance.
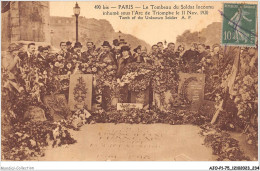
(238, 45)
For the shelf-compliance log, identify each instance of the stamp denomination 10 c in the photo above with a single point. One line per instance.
(239, 24)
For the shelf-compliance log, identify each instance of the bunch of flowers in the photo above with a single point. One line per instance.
(242, 101)
(28, 140)
(88, 66)
(106, 73)
(164, 79)
(141, 116)
(79, 118)
(137, 76)
(62, 66)
(37, 82)
(9, 93)
(225, 147)
(246, 100)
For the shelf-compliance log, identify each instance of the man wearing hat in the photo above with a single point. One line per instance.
(106, 54)
(91, 48)
(107, 57)
(77, 51)
(116, 50)
(137, 55)
(63, 51)
(69, 47)
(122, 42)
(42, 58)
(115, 42)
(11, 59)
(170, 53)
(125, 59)
(10, 62)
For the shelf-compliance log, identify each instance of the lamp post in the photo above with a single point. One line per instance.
(76, 11)
(52, 32)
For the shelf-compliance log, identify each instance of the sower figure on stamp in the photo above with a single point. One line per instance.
(236, 22)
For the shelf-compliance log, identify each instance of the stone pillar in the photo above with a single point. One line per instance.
(27, 21)
(15, 21)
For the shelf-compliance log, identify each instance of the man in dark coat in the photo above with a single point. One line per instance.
(107, 65)
(170, 51)
(42, 60)
(28, 58)
(69, 47)
(63, 51)
(124, 60)
(91, 48)
(160, 47)
(202, 52)
(116, 50)
(137, 57)
(107, 53)
(190, 58)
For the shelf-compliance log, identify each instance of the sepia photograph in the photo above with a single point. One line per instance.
(129, 81)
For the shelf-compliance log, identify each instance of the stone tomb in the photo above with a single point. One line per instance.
(133, 142)
(80, 91)
(191, 87)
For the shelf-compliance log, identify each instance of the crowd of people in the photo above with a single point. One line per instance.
(120, 53)
(198, 59)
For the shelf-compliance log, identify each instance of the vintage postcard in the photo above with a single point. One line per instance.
(129, 81)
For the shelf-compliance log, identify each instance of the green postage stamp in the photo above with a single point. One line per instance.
(239, 24)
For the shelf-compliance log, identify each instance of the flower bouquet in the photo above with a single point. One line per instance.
(29, 139)
(165, 85)
(105, 81)
(137, 78)
(88, 66)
